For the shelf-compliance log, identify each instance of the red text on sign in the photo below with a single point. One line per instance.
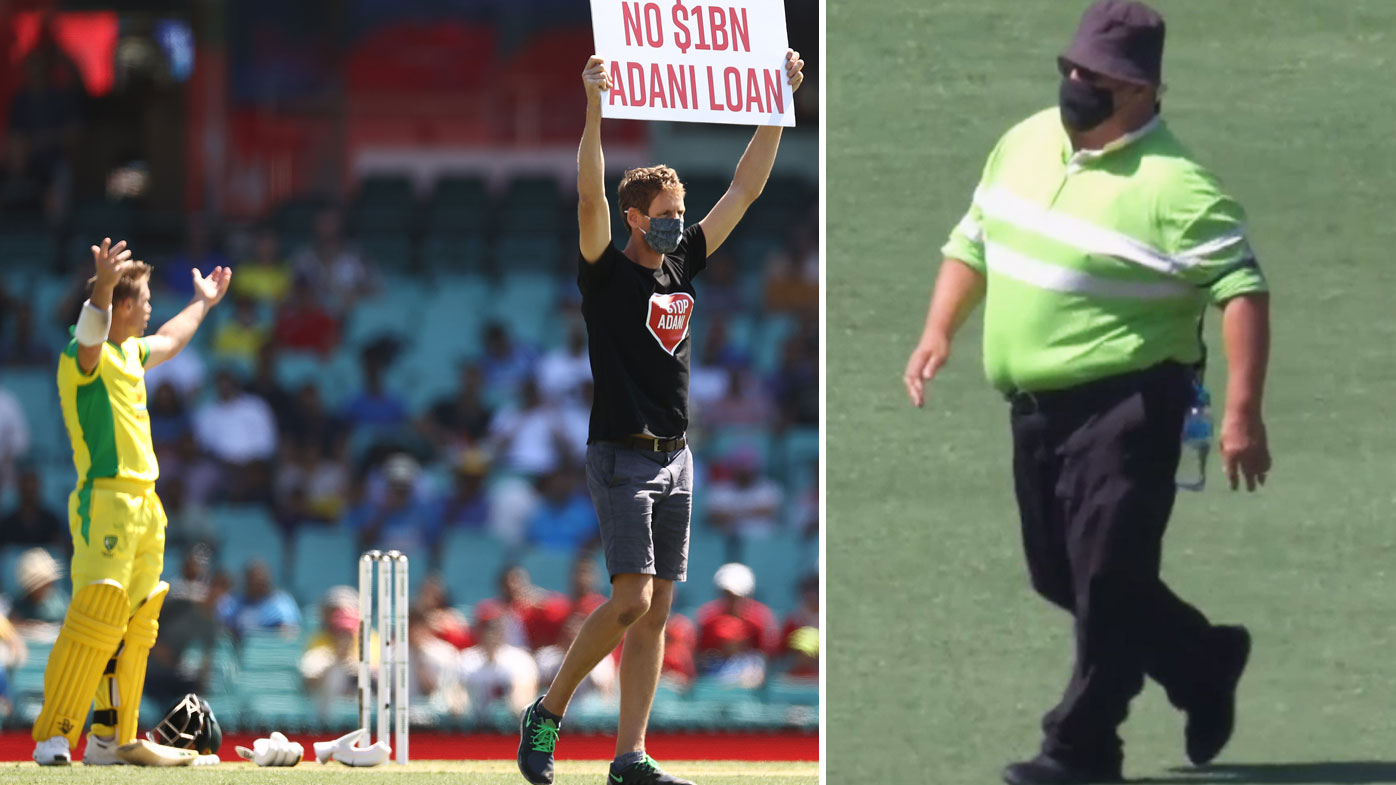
(746, 90)
(719, 29)
(670, 87)
(751, 90)
(644, 26)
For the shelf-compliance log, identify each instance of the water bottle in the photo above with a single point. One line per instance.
(1197, 442)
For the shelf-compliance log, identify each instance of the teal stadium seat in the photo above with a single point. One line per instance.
(549, 568)
(798, 452)
(270, 682)
(224, 673)
(530, 250)
(470, 566)
(28, 250)
(779, 561)
(247, 533)
(768, 344)
(798, 692)
(36, 389)
(387, 250)
(527, 303)
(382, 219)
(451, 321)
(529, 200)
(461, 192)
(445, 253)
(707, 550)
(9, 584)
(705, 690)
(294, 369)
(752, 247)
(722, 443)
(27, 684)
(393, 310)
(322, 556)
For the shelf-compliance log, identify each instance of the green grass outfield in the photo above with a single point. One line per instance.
(469, 772)
(941, 659)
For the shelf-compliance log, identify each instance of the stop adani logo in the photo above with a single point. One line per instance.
(668, 318)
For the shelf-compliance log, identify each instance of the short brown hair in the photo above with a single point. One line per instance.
(638, 187)
(129, 285)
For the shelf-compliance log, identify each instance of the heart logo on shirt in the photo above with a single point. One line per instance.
(668, 318)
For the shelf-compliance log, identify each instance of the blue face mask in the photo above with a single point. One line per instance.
(664, 234)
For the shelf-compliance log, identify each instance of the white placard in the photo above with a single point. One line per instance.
(694, 62)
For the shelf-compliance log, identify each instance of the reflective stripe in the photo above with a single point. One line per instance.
(1037, 273)
(1070, 230)
(1212, 246)
(971, 229)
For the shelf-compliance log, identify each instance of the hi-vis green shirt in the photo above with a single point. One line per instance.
(1098, 262)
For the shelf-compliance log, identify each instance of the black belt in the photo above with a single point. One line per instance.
(1097, 392)
(649, 443)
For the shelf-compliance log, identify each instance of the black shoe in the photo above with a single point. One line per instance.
(1046, 770)
(537, 740)
(646, 772)
(1211, 720)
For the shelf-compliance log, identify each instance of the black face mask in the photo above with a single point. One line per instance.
(1084, 106)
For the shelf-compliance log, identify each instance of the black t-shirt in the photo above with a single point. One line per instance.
(637, 336)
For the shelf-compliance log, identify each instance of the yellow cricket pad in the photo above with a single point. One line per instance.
(91, 631)
(130, 662)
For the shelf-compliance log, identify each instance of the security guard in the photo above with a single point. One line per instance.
(1096, 242)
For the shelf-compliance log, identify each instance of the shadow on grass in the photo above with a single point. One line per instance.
(1356, 772)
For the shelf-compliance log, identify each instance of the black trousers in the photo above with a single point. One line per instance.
(1094, 470)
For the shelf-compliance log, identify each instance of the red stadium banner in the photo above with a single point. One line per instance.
(694, 62)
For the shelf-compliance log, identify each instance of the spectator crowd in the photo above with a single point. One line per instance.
(499, 453)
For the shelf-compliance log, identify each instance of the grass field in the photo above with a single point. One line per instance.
(473, 772)
(941, 660)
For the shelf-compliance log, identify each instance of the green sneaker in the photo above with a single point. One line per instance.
(537, 740)
(646, 772)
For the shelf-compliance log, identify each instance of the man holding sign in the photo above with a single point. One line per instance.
(638, 304)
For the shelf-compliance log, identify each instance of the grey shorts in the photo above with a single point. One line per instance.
(644, 501)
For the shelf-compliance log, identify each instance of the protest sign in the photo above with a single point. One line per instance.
(694, 62)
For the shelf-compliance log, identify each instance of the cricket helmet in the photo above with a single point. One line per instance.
(189, 724)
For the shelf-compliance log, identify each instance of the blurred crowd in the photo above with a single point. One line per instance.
(501, 454)
(464, 660)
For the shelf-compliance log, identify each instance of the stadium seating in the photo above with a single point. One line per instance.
(549, 567)
(248, 533)
(36, 389)
(471, 565)
(779, 560)
(449, 261)
(27, 684)
(323, 556)
(269, 686)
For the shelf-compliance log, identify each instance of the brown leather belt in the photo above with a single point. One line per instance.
(650, 443)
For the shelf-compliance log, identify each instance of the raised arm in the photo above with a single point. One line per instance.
(174, 335)
(95, 320)
(593, 211)
(752, 171)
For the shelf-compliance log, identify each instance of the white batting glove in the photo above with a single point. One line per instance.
(274, 751)
(346, 750)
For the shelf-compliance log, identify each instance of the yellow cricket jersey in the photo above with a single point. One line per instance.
(105, 412)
